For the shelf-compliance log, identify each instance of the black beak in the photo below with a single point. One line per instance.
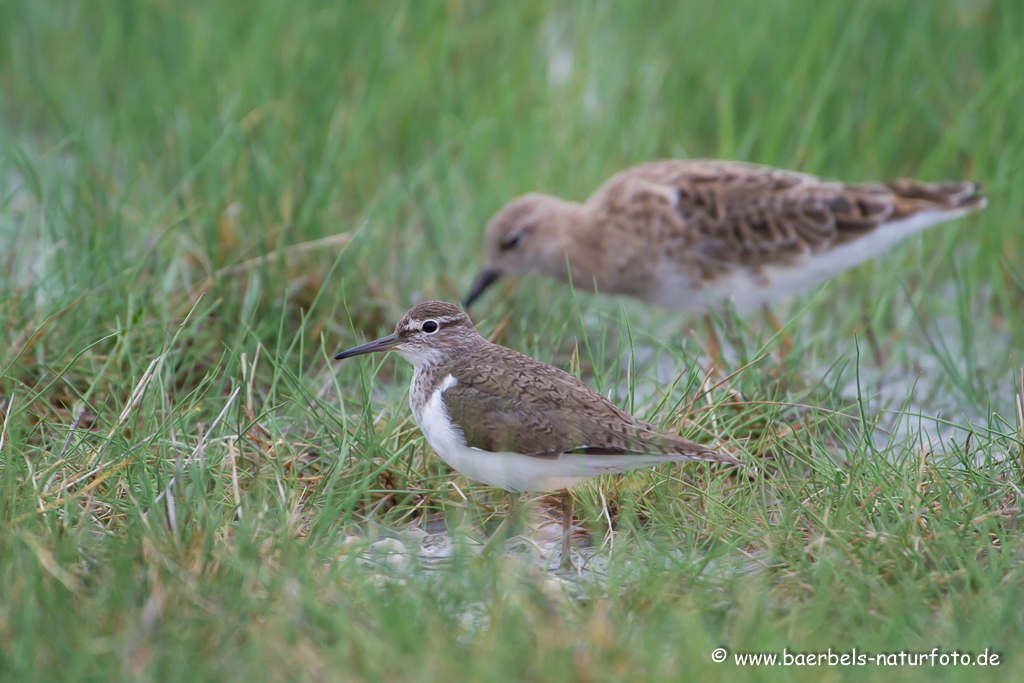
(486, 278)
(382, 344)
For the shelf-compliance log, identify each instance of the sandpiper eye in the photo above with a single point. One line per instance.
(510, 242)
(430, 327)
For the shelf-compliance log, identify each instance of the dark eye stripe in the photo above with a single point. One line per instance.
(509, 242)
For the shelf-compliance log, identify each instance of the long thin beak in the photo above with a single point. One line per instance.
(486, 278)
(382, 344)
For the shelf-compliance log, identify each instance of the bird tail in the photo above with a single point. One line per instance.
(702, 454)
(684, 450)
(913, 196)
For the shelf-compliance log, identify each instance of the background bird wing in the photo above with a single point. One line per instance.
(743, 214)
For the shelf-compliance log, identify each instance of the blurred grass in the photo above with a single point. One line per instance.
(166, 172)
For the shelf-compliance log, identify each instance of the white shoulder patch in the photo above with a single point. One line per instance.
(443, 436)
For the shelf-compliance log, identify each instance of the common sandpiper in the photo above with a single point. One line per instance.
(507, 420)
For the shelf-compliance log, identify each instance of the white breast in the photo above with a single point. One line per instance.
(442, 435)
(515, 471)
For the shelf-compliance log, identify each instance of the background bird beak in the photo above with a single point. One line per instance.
(383, 344)
(486, 278)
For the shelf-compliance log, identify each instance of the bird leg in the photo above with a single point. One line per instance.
(497, 538)
(785, 341)
(714, 348)
(566, 529)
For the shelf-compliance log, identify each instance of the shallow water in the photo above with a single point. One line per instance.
(399, 555)
(914, 397)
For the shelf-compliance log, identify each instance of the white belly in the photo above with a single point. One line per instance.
(514, 471)
(749, 291)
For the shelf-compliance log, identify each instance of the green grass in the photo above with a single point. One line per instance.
(165, 172)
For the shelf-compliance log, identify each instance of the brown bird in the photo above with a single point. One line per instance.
(691, 235)
(507, 420)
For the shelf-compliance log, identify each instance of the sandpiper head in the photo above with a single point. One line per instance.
(527, 234)
(427, 334)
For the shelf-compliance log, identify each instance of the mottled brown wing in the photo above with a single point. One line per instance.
(521, 405)
(732, 213)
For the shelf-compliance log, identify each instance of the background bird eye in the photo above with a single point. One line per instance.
(430, 327)
(510, 242)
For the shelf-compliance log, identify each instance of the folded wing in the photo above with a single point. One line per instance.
(524, 406)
